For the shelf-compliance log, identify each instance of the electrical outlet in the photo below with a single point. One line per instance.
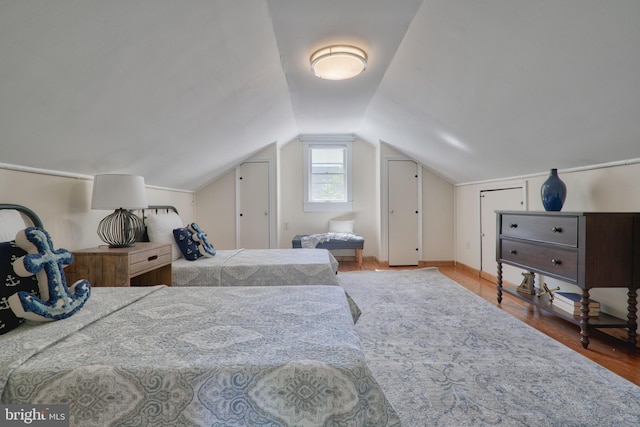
(286, 225)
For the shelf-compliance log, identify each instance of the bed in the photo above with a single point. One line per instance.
(257, 267)
(272, 355)
(239, 267)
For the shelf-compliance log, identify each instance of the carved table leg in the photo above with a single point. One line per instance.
(632, 316)
(499, 283)
(584, 318)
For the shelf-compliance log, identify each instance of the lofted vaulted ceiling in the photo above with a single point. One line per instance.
(180, 91)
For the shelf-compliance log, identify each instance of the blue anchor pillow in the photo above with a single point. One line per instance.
(10, 283)
(56, 300)
(201, 237)
(193, 242)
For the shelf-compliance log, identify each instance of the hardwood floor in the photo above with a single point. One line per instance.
(606, 349)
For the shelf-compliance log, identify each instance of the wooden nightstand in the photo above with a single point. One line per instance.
(143, 264)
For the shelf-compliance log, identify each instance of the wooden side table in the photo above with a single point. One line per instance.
(143, 264)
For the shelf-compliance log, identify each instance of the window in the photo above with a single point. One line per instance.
(327, 173)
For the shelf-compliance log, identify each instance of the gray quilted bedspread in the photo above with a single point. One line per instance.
(257, 267)
(214, 356)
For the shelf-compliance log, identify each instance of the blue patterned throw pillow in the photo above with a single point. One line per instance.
(10, 283)
(187, 245)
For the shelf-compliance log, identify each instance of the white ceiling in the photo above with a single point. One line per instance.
(180, 91)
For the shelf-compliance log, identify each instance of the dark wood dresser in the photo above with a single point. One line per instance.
(587, 249)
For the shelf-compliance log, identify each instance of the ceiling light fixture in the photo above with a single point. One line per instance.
(338, 62)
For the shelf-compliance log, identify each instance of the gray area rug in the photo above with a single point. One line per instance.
(446, 357)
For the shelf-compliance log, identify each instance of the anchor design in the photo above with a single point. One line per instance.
(57, 300)
(12, 281)
(201, 237)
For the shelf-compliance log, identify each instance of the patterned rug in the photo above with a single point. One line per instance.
(446, 357)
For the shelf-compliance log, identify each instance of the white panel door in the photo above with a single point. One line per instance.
(504, 199)
(254, 213)
(403, 212)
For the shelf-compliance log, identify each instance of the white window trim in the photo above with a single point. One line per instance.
(327, 140)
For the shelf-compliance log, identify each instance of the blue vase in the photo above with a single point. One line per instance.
(553, 192)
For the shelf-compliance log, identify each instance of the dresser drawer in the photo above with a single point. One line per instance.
(558, 261)
(561, 230)
(149, 259)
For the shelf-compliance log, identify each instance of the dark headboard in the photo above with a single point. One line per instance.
(154, 209)
(33, 217)
(160, 208)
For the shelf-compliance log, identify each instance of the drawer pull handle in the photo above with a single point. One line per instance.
(513, 225)
(152, 258)
(513, 251)
(556, 262)
(556, 229)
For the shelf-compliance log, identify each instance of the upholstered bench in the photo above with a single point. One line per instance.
(353, 242)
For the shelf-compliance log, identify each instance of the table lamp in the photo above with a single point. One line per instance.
(119, 192)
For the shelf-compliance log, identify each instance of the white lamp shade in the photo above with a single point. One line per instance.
(114, 191)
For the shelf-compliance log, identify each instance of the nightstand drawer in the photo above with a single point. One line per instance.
(150, 259)
(557, 261)
(561, 230)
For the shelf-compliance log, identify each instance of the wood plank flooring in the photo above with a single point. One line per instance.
(605, 349)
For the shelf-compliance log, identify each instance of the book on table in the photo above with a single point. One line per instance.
(575, 310)
(570, 302)
(571, 298)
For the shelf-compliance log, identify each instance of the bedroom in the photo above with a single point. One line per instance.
(567, 86)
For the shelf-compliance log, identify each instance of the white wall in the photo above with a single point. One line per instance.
(63, 203)
(216, 206)
(607, 188)
(437, 218)
(293, 219)
(215, 209)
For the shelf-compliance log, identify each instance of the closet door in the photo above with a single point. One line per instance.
(403, 212)
(253, 208)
